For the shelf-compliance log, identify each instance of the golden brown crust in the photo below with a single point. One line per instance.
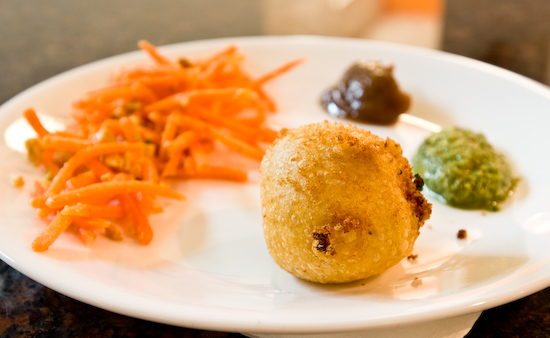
(338, 203)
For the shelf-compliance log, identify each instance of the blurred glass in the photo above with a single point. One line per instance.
(319, 17)
(414, 22)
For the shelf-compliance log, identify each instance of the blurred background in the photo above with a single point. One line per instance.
(39, 39)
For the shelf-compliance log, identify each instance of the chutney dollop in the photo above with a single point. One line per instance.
(367, 92)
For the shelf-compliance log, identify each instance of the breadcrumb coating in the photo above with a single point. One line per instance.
(339, 203)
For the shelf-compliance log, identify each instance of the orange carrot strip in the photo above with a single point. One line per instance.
(238, 146)
(87, 154)
(183, 141)
(34, 121)
(51, 167)
(143, 231)
(150, 172)
(122, 177)
(215, 172)
(184, 99)
(253, 119)
(38, 189)
(266, 100)
(91, 223)
(158, 119)
(82, 179)
(87, 210)
(147, 204)
(128, 76)
(188, 122)
(227, 51)
(153, 52)
(99, 169)
(267, 135)
(276, 72)
(172, 164)
(111, 188)
(230, 123)
(63, 134)
(39, 201)
(46, 212)
(168, 103)
(215, 69)
(169, 132)
(71, 144)
(162, 86)
(59, 224)
(146, 133)
(142, 92)
(94, 200)
(86, 236)
(111, 125)
(94, 94)
(115, 94)
(129, 130)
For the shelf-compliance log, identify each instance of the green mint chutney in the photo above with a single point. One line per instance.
(464, 169)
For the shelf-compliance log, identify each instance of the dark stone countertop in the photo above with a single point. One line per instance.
(41, 39)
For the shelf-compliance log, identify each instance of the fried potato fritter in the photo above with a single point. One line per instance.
(339, 204)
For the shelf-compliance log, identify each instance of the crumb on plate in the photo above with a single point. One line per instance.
(412, 257)
(462, 234)
(416, 282)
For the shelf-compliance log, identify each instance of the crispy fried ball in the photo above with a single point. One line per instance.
(339, 204)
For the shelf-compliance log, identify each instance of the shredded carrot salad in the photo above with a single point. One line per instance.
(153, 122)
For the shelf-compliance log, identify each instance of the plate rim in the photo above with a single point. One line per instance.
(262, 327)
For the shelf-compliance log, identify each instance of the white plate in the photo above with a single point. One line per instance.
(208, 266)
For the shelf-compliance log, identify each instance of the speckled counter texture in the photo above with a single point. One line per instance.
(40, 39)
(512, 34)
